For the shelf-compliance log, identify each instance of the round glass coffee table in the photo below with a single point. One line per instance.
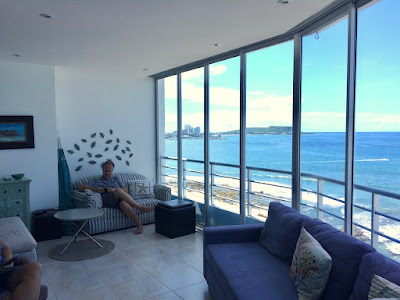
(76, 215)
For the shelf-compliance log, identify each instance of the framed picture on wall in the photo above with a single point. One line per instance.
(16, 132)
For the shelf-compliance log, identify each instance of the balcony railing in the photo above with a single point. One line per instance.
(374, 210)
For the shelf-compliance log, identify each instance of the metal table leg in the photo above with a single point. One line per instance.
(76, 234)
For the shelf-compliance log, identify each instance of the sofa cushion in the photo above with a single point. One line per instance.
(15, 234)
(371, 264)
(346, 252)
(248, 271)
(141, 189)
(310, 268)
(281, 231)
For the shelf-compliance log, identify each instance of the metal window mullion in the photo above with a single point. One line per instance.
(242, 137)
(350, 115)
(179, 110)
(157, 113)
(206, 140)
(296, 126)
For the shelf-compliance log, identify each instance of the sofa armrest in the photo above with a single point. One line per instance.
(79, 199)
(246, 233)
(162, 192)
(95, 201)
(87, 199)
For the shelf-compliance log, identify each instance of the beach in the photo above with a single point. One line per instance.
(270, 191)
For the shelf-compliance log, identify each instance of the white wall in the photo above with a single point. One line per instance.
(95, 103)
(28, 89)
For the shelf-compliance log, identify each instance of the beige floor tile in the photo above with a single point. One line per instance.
(167, 296)
(103, 293)
(136, 259)
(119, 273)
(179, 277)
(195, 292)
(143, 287)
(157, 263)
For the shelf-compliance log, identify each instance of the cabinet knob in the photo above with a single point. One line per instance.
(5, 192)
(17, 202)
(17, 215)
(19, 190)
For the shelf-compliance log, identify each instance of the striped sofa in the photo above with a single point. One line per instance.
(114, 218)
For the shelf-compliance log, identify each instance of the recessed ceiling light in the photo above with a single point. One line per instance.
(16, 55)
(215, 45)
(145, 69)
(283, 1)
(46, 16)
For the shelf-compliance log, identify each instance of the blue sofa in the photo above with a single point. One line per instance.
(253, 261)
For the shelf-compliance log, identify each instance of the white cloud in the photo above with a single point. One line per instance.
(323, 122)
(196, 73)
(267, 110)
(377, 122)
(217, 70)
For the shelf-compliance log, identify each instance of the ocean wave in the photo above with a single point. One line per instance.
(373, 159)
(343, 161)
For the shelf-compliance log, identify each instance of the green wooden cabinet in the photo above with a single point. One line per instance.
(14, 200)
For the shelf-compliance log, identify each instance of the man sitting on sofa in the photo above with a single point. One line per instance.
(115, 195)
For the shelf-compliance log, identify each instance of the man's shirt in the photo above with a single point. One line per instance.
(112, 182)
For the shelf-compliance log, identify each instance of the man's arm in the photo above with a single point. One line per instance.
(93, 189)
(124, 189)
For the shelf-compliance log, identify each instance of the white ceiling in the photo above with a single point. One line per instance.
(130, 35)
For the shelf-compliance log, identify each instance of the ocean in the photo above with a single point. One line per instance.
(376, 165)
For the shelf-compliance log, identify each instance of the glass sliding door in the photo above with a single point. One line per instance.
(168, 124)
(193, 139)
(269, 107)
(323, 122)
(377, 123)
(224, 142)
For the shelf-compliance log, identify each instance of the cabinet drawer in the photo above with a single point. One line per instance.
(15, 202)
(3, 203)
(19, 189)
(17, 213)
(13, 190)
(3, 214)
(5, 191)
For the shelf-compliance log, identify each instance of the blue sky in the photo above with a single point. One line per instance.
(269, 81)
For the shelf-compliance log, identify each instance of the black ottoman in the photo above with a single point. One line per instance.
(45, 226)
(175, 218)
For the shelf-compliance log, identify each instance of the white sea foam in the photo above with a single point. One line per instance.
(373, 159)
(393, 247)
(342, 161)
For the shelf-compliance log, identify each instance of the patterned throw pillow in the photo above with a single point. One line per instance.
(310, 268)
(141, 189)
(383, 288)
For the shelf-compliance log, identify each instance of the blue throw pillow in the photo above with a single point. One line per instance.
(346, 252)
(281, 231)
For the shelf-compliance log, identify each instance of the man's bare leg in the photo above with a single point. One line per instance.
(122, 195)
(25, 282)
(130, 212)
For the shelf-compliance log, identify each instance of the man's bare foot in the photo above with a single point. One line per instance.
(139, 230)
(146, 209)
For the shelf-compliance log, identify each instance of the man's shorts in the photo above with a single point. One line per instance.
(109, 200)
(5, 279)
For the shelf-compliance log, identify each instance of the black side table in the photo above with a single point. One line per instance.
(175, 218)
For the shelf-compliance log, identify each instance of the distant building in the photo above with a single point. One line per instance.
(187, 132)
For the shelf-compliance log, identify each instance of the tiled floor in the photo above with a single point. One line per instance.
(147, 266)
